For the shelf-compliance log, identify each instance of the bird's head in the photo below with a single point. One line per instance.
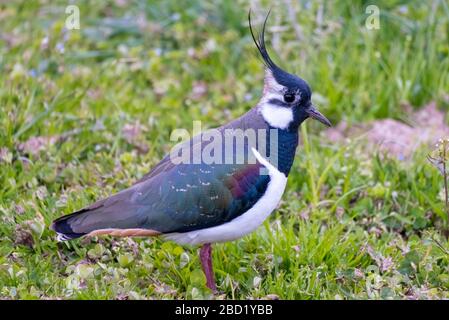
(286, 100)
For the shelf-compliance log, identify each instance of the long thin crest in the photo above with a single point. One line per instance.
(261, 43)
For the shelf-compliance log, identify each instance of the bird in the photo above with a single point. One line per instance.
(199, 203)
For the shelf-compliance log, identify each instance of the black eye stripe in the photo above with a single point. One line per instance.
(278, 102)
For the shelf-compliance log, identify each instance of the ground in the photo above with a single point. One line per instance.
(85, 113)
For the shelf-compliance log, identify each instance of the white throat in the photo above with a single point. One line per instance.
(276, 116)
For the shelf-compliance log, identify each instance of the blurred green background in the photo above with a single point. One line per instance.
(84, 113)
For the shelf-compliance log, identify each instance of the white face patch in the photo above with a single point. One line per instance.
(276, 116)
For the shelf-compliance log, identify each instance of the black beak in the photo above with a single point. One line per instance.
(315, 114)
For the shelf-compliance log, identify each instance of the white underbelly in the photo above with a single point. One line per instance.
(245, 223)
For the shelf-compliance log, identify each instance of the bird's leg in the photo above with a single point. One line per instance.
(206, 263)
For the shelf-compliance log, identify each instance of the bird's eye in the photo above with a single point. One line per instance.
(288, 97)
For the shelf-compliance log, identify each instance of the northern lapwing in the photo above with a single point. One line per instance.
(217, 198)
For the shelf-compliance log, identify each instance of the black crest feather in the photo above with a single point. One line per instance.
(284, 78)
(260, 44)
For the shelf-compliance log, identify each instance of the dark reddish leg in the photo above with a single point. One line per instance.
(206, 263)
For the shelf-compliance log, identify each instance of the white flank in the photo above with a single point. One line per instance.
(245, 223)
(277, 117)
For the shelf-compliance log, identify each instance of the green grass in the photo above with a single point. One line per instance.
(351, 224)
